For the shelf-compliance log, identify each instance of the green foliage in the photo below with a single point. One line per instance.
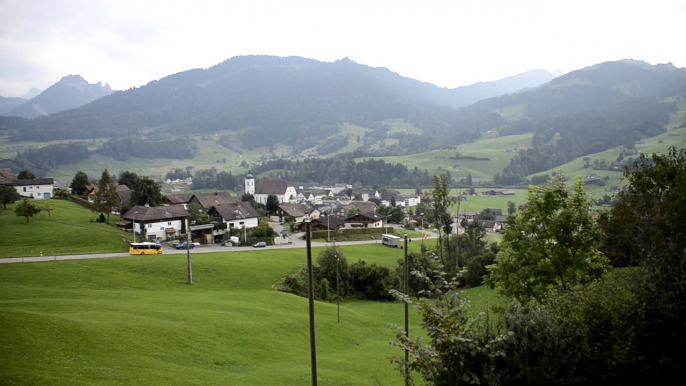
(106, 198)
(331, 260)
(553, 243)
(372, 281)
(26, 208)
(272, 202)
(26, 175)
(8, 195)
(147, 192)
(130, 179)
(353, 211)
(79, 182)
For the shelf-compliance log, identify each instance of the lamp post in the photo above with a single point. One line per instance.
(422, 214)
(328, 229)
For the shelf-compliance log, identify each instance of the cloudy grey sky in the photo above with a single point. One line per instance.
(128, 43)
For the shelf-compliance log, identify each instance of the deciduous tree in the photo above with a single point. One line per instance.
(147, 192)
(8, 195)
(553, 243)
(27, 209)
(26, 175)
(79, 182)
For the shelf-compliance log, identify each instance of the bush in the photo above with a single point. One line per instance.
(372, 281)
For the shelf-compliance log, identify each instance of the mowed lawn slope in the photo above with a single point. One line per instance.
(67, 229)
(134, 320)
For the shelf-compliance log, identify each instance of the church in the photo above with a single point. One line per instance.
(263, 188)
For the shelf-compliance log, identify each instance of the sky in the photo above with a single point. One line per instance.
(128, 43)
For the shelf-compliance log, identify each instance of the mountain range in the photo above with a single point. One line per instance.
(70, 92)
(261, 101)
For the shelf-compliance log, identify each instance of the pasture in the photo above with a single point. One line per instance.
(67, 229)
(134, 320)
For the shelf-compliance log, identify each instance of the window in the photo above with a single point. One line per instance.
(169, 223)
(161, 228)
(24, 188)
(149, 225)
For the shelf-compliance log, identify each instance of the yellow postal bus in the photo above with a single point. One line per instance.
(145, 249)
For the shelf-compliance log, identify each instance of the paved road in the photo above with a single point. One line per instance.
(296, 242)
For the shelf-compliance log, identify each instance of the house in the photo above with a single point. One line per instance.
(7, 176)
(314, 196)
(364, 206)
(469, 216)
(208, 200)
(124, 196)
(366, 194)
(176, 199)
(498, 193)
(38, 188)
(332, 223)
(295, 211)
(159, 222)
(490, 226)
(263, 188)
(89, 191)
(496, 212)
(366, 220)
(237, 215)
(408, 200)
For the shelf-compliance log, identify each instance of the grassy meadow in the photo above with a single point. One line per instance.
(134, 320)
(67, 229)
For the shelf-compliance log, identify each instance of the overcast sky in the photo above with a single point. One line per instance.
(128, 43)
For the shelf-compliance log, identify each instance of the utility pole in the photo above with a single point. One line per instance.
(407, 325)
(188, 253)
(338, 292)
(310, 293)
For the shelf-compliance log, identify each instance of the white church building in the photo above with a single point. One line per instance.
(263, 188)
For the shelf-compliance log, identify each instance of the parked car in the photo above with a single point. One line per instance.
(261, 244)
(185, 245)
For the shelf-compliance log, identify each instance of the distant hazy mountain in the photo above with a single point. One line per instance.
(70, 92)
(280, 99)
(9, 103)
(34, 92)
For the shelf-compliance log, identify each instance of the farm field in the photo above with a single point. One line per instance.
(67, 229)
(134, 320)
(674, 136)
(440, 161)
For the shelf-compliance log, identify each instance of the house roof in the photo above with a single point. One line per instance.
(150, 214)
(295, 210)
(124, 194)
(7, 176)
(236, 211)
(177, 198)
(208, 200)
(37, 181)
(331, 222)
(364, 206)
(277, 187)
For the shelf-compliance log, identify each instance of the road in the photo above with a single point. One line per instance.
(295, 238)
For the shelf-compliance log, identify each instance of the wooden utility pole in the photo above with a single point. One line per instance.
(407, 324)
(310, 292)
(188, 253)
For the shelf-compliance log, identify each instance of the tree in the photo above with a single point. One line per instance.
(48, 208)
(553, 243)
(328, 260)
(26, 175)
(147, 192)
(26, 209)
(272, 202)
(511, 208)
(130, 179)
(79, 182)
(8, 195)
(353, 211)
(106, 198)
(441, 205)
(650, 216)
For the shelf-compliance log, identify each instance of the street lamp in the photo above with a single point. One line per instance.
(422, 215)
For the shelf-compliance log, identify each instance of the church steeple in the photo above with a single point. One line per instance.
(249, 184)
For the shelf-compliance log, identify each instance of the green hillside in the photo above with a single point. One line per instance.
(134, 320)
